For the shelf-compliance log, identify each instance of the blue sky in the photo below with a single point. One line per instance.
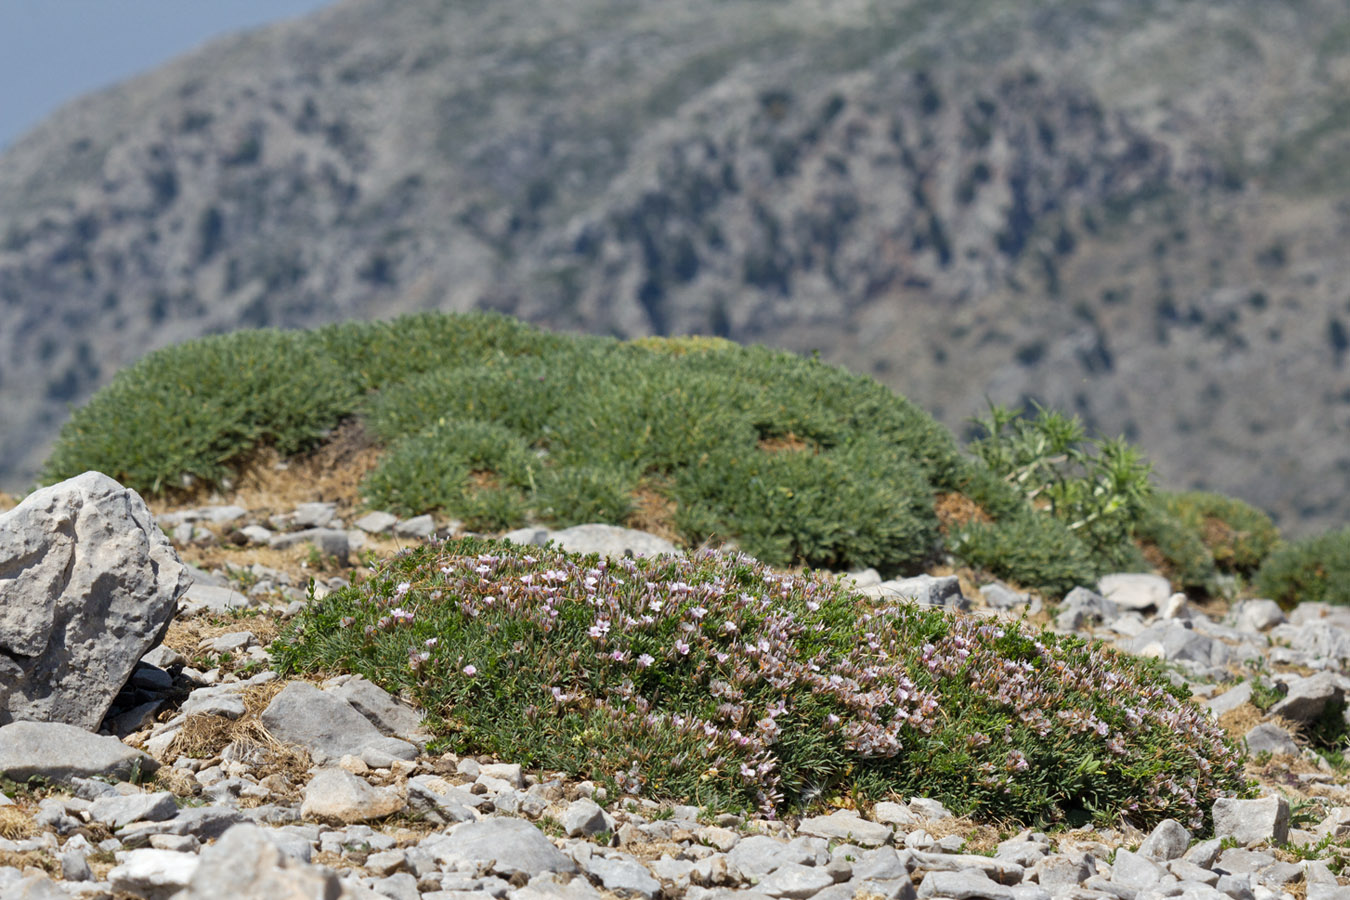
(52, 51)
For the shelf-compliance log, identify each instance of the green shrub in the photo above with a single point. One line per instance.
(382, 354)
(853, 506)
(1312, 570)
(576, 495)
(434, 470)
(199, 408)
(1176, 548)
(1098, 488)
(714, 680)
(1238, 536)
(1028, 549)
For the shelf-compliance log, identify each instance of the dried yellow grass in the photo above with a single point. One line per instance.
(15, 824)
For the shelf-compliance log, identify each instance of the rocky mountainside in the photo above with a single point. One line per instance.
(1134, 211)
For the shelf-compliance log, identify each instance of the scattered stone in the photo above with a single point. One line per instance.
(1249, 821)
(505, 846)
(326, 725)
(584, 818)
(1257, 615)
(846, 825)
(1168, 840)
(59, 752)
(1230, 700)
(119, 810)
(927, 808)
(91, 584)
(624, 877)
(328, 541)
(1000, 596)
(963, 886)
(1308, 698)
(386, 713)
(153, 874)
(1271, 738)
(527, 537)
(1082, 607)
(794, 881)
(611, 540)
(244, 863)
(334, 794)
(420, 527)
(376, 522)
(1129, 590)
(925, 590)
(205, 598)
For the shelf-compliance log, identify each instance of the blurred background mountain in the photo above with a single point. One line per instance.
(1133, 210)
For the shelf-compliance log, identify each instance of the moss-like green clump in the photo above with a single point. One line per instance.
(497, 423)
(1316, 569)
(715, 679)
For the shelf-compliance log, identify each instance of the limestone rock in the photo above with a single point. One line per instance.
(1131, 590)
(244, 863)
(326, 725)
(1246, 821)
(337, 794)
(510, 845)
(60, 752)
(611, 540)
(88, 585)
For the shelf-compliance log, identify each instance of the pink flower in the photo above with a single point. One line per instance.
(470, 671)
(645, 660)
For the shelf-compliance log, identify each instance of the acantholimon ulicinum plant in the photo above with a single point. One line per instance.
(711, 678)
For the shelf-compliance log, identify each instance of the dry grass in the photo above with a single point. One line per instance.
(15, 824)
(186, 635)
(1237, 722)
(654, 511)
(267, 484)
(954, 510)
(980, 837)
(785, 443)
(206, 737)
(30, 859)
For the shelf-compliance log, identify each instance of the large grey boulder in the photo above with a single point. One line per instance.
(88, 584)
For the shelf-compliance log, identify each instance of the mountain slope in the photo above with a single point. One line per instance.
(1135, 212)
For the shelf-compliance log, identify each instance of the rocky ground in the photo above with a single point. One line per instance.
(213, 778)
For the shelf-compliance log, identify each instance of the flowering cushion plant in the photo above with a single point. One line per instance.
(714, 679)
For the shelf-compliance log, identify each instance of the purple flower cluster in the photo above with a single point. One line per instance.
(729, 658)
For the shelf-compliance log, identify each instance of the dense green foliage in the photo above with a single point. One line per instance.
(1313, 570)
(496, 423)
(1196, 536)
(714, 679)
(196, 408)
(1098, 488)
(1237, 535)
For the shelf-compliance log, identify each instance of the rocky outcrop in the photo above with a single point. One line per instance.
(88, 584)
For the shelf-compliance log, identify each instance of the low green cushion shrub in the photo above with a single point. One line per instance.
(1316, 570)
(715, 680)
(1238, 536)
(1177, 549)
(199, 408)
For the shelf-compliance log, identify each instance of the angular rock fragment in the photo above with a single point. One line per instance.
(88, 585)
